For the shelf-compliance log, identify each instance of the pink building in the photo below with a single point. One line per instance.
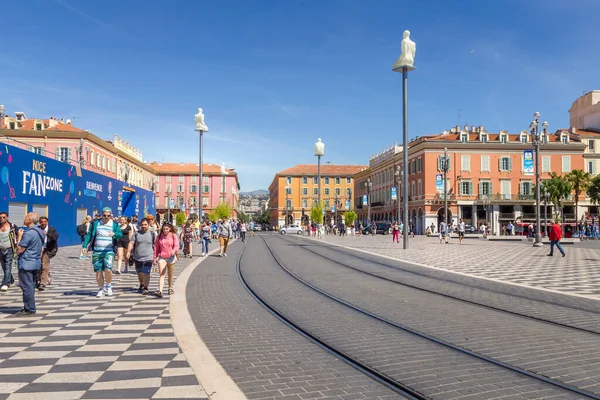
(179, 182)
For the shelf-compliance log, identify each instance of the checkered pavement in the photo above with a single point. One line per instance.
(510, 262)
(78, 346)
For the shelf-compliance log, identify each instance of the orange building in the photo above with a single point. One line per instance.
(294, 190)
(488, 179)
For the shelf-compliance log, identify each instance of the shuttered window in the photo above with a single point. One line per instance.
(465, 163)
(505, 164)
(566, 164)
(485, 188)
(485, 163)
(466, 188)
(545, 164)
(441, 163)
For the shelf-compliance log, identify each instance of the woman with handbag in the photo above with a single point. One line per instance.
(165, 254)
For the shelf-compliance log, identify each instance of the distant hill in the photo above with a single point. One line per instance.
(255, 193)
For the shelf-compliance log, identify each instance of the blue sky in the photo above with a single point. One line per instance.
(274, 75)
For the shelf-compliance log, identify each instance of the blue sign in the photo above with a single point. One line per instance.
(172, 203)
(439, 183)
(182, 206)
(364, 199)
(333, 209)
(394, 195)
(63, 192)
(528, 162)
(347, 204)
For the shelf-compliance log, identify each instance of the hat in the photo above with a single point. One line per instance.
(107, 209)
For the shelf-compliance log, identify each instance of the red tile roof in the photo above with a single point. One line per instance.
(188, 168)
(327, 169)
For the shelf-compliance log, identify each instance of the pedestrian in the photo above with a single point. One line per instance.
(251, 228)
(243, 230)
(165, 254)
(187, 237)
(206, 233)
(82, 230)
(509, 228)
(153, 226)
(8, 250)
(141, 248)
(234, 228)
(102, 237)
(461, 231)
(555, 235)
(30, 244)
(225, 233)
(50, 249)
(395, 232)
(123, 244)
(443, 232)
(135, 224)
(432, 228)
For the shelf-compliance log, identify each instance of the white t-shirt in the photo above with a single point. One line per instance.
(461, 227)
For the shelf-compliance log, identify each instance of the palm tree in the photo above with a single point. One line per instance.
(558, 188)
(593, 190)
(580, 181)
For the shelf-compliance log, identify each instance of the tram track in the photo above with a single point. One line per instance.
(373, 372)
(445, 295)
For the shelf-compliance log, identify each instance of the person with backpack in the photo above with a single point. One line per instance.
(102, 237)
(30, 244)
(8, 250)
(141, 248)
(49, 251)
(165, 254)
(82, 230)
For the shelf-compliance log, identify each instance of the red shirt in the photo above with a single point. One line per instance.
(555, 232)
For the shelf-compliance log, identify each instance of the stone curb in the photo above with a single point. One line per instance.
(217, 384)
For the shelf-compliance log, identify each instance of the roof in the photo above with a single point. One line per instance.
(29, 124)
(494, 137)
(188, 169)
(327, 169)
(588, 132)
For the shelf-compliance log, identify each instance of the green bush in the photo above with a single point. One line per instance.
(180, 218)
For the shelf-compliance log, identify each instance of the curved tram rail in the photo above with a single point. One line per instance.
(382, 378)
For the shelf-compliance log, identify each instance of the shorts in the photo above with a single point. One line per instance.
(143, 267)
(102, 260)
(461, 234)
(170, 260)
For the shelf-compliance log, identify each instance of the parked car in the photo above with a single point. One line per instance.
(381, 228)
(291, 229)
(257, 228)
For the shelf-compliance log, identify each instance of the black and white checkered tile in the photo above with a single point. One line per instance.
(78, 346)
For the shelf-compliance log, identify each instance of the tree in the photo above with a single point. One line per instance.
(264, 218)
(244, 217)
(558, 188)
(180, 218)
(349, 217)
(316, 213)
(580, 180)
(593, 190)
(222, 210)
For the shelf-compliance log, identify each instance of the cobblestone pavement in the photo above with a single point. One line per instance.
(80, 347)
(510, 262)
(265, 358)
(561, 353)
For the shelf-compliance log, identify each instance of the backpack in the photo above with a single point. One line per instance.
(81, 230)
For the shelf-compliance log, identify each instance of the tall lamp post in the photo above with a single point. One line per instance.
(368, 185)
(287, 192)
(405, 64)
(546, 198)
(200, 128)
(486, 204)
(398, 174)
(223, 175)
(537, 139)
(319, 152)
(168, 204)
(445, 165)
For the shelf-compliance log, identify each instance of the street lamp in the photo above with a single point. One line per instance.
(168, 204)
(546, 198)
(287, 192)
(200, 128)
(368, 185)
(2, 109)
(405, 64)
(319, 152)
(223, 175)
(398, 174)
(537, 139)
(445, 165)
(486, 204)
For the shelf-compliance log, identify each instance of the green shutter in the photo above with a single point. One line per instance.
(510, 163)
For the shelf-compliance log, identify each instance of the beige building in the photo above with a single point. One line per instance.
(585, 111)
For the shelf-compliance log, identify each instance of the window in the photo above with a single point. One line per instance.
(412, 190)
(204, 201)
(591, 167)
(92, 159)
(193, 179)
(38, 127)
(179, 188)
(181, 179)
(304, 191)
(205, 179)
(288, 179)
(485, 163)
(168, 178)
(337, 181)
(315, 180)
(12, 125)
(288, 204)
(545, 164)
(304, 203)
(327, 191)
(483, 137)
(338, 191)
(505, 164)
(304, 180)
(465, 163)
(63, 154)
(166, 201)
(503, 138)
(327, 204)
(348, 179)
(566, 164)
(591, 145)
(98, 160)
(205, 189)
(193, 188)
(419, 188)
(485, 188)
(288, 190)
(505, 188)
(157, 187)
(315, 190)
(525, 188)
(419, 164)
(523, 138)
(564, 138)
(464, 137)
(441, 163)
(327, 180)
(37, 150)
(466, 188)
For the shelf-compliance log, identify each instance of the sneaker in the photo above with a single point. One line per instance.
(202, 255)
(41, 288)
(109, 291)
(82, 257)
(564, 255)
(24, 313)
(117, 272)
(100, 293)
(224, 254)
(4, 288)
(145, 292)
(220, 255)
(141, 289)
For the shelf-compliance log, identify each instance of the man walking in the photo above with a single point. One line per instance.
(443, 232)
(461, 231)
(103, 236)
(142, 245)
(555, 235)
(49, 251)
(8, 250)
(224, 232)
(30, 244)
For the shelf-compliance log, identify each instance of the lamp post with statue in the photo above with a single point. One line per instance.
(200, 128)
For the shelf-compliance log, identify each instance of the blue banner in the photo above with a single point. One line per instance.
(364, 199)
(528, 168)
(63, 193)
(347, 204)
(393, 193)
(439, 183)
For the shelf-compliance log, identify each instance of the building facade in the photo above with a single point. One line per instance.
(585, 111)
(489, 179)
(293, 192)
(179, 182)
(60, 140)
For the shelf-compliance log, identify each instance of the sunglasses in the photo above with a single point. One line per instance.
(106, 215)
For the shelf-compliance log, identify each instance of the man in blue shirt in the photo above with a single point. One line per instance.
(30, 243)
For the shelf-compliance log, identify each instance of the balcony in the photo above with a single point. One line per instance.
(377, 204)
(505, 197)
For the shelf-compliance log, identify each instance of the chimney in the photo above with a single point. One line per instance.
(480, 128)
(457, 128)
(52, 122)
(573, 129)
(472, 128)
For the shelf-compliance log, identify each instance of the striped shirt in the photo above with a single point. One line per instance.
(104, 240)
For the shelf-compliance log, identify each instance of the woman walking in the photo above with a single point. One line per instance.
(187, 237)
(165, 254)
(395, 232)
(206, 232)
(123, 243)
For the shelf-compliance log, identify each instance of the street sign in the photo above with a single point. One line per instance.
(364, 199)
(182, 206)
(333, 209)
(347, 204)
(394, 195)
